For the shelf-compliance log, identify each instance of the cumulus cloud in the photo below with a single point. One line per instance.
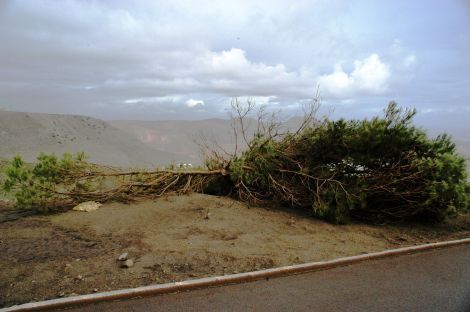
(370, 75)
(194, 103)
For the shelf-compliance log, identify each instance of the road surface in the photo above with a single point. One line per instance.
(437, 280)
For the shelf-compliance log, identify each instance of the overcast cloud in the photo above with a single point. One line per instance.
(186, 59)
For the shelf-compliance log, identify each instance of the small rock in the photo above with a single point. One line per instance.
(73, 294)
(127, 264)
(230, 237)
(79, 277)
(68, 265)
(291, 221)
(123, 257)
(87, 206)
(95, 289)
(61, 294)
(402, 238)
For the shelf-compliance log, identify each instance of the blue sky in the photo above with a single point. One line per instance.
(187, 59)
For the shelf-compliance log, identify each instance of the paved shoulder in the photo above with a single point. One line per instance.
(437, 280)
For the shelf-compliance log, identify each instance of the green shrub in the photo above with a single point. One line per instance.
(380, 170)
(40, 186)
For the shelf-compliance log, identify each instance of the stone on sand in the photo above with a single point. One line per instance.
(87, 206)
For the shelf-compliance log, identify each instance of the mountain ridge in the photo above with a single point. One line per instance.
(28, 134)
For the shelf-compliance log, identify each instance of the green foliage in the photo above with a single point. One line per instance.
(379, 170)
(37, 186)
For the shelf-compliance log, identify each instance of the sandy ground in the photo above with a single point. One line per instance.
(178, 238)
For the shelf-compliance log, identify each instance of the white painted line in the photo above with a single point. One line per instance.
(223, 280)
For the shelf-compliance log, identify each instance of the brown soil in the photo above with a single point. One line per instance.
(178, 238)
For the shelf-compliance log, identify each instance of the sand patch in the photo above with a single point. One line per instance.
(178, 238)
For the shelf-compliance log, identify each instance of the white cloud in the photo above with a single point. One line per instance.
(401, 54)
(397, 47)
(348, 101)
(194, 103)
(404, 62)
(409, 61)
(146, 54)
(370, 76)
(154, 100)
(169, 55)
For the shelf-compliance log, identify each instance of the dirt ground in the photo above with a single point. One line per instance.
(178, 238)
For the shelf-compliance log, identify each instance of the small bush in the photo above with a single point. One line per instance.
(39, 186)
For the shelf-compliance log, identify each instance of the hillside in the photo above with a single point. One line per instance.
(28, 134)
(181, 137)
(185, 137)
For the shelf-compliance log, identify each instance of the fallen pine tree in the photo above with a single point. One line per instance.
(54, 183)
(378, 170)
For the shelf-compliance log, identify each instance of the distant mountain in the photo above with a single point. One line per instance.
(186, 137)
(182, 137)
(28, 134)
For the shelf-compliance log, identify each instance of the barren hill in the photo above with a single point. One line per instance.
(28, 134)
(185, 137)
(181, 137)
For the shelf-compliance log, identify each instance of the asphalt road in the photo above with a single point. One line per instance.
(436, 280)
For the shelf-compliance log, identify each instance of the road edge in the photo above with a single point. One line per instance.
(224, 280)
